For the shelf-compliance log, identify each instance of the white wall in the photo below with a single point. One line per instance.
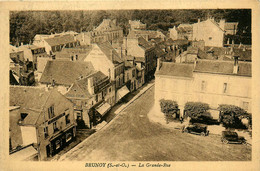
(28, 135)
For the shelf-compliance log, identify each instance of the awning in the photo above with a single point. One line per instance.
(103, 108)
(122, 92)
(24, 154)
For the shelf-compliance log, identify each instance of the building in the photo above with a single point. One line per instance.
(105, 59)
(46, 119)
(210, 81)
(108, 30)
(93, 96)
(130, 76)
(62, 74)
(148, 35)
(56, 43)
(136, 25)
(144, 53)
(183, 31)
(211, 32)
(231, 28)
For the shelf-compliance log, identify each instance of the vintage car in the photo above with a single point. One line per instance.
(196, 128)
(231, 137)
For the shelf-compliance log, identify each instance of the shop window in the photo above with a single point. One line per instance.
(57, 143)
(46, 134)
(68, 137)
(51, 112)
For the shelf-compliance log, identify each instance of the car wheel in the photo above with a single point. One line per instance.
(202, 134)
(225, 141)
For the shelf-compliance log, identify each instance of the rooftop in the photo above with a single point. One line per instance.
(223, 67)
(60, 40)
(175, 69)
(110, 52)
(65, 72)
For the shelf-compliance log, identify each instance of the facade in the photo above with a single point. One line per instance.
(211, 32)
(108, 30)
(56, 43)
(46, 119)
(231, 28)
(130, 76)
(144, 53)
(210, 81)
(92, 96)
(137, 25)
(62, 74)
(183, 31)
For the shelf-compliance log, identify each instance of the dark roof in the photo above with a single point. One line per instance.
(110, 52)
(60, 40)
(30, 99)
(144, 44)
(159, 52)
(66, 53)
(12, 80)
(223, 67)
(181, 42)
(137, 59)
(175, 69)
(184, 28)
(80, 87)
(65, 72)
(107, 24)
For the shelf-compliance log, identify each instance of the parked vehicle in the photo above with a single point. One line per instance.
(231, 137)
(196, 128)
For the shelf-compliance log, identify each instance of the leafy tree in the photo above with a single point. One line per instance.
(231, 115)
(169, 107)
(197, 110)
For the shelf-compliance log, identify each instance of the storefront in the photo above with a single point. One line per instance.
(121, 93)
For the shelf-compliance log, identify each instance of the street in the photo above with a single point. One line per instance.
(132, 137)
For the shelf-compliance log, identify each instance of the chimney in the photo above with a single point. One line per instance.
(244, 48)
(158, 64)
(240, 45)
(222, 24)
(21, 43)
(91, 85)
(228, 41)
(235, 68)
(198, 20)
(109, 73)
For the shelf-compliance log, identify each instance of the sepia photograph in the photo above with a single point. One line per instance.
(130, 88)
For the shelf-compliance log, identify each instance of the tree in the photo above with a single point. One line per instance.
(197, 111)
(169, 108)
(231, 115)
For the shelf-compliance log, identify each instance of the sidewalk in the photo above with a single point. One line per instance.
(118, 112)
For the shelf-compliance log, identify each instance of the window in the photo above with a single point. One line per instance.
(55, 128)
(225, 88)
(45, 132)
(203, 85)
(67, 119)
(23, 116)
(133, 73)
(110, 90)
(51, 112)
(245, 105)
(127, 76)
(97, 98)
(57, 143)
(210, 38)
(79, 117)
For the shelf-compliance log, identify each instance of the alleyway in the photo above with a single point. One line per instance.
(132, 137)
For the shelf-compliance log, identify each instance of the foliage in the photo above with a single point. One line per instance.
(197, 110)
(231, 115)
(24, 25)
(169, 108)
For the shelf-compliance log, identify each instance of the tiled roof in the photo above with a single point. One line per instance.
(60, 40)
(107, 24)
(30, 99)
(184, 28)
(152, 34)
(223, 67)
(176, 69)
(110, 52)
(80, 87)
(65, 72)
(144, 44)
(66, 53)
(137, 59)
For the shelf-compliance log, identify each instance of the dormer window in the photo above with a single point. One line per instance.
(23, 116)
(51, 112)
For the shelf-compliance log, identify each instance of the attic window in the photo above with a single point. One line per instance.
(23, 116)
